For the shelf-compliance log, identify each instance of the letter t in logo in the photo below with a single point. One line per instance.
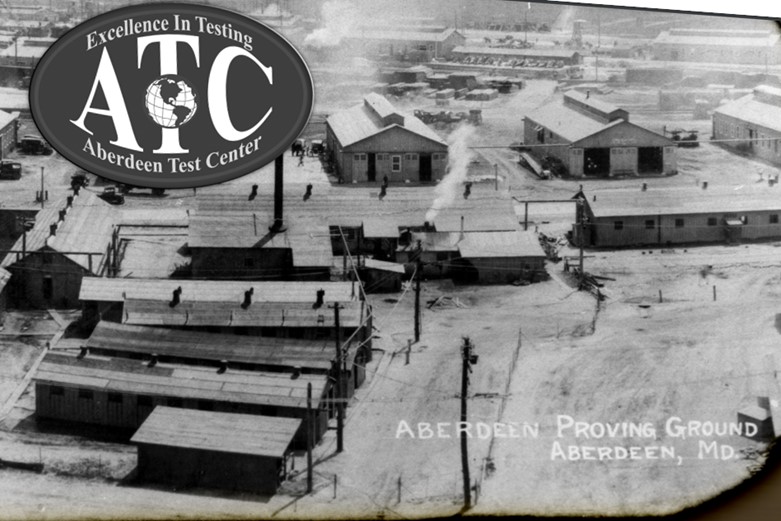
(169, 65)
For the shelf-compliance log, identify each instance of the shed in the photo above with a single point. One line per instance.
(9, 132)
(501, 257)
(189, 448)
(751, 124)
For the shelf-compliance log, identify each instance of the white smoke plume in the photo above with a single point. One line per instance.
(339, 20)
(459, 156)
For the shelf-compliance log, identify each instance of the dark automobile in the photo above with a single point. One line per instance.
(112, 196)
(34, 145)
(10, 170)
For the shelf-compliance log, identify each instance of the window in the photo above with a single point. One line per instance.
(541, 135)
(114, 397)
(85, 394)
(395, 163)
(359, 157)
(649, 224)
(712, 221)
(382, 157)
(618, 225)
(679, 223)
(550, 134)
(249, 262)
(349, 233)
(410, 157)
(56, 390)
(774, 219)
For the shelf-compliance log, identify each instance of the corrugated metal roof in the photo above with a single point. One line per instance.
(358, 123)
(36, 237)
(224, 314)
(567, 122)
(196, 345)
(101, 289)
(7, 117)
(683, 201)
(248, 434)
(500, 244)
(750, 110)
(485, 209)
(87, 227)
(520, 53)
(175, 217)
(725, 38)
(168, 380)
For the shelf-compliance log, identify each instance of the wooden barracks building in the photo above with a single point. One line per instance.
(665, 217)
(752, 124)
(373, 140)
(595, 139)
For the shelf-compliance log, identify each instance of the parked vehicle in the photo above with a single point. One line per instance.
(112, 196)
(10, 170)
(34, 145)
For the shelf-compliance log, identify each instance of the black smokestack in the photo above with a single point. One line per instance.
(247, 298)
(176, 297)
(279, 171)
(254, 193)
(319, 302)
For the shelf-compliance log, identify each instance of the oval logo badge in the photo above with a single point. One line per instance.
(171, 95)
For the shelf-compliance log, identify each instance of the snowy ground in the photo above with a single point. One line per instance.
(635, 359)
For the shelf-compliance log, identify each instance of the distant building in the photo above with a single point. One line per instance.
(508, 56)
(420, 45)
(589, 137)
(9, 132)
(25, 51)
(189, 448)
(753, 123)
(718, 46)
(67, 242)
(498, 257)
(373, 140)
(664, 217)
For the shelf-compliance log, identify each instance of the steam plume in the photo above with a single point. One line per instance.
(459, 156)
(339, 19)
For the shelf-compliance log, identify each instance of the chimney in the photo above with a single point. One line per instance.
(254, 193)
(705, 185)
(53, 229)
(176, 297)
(308, 193)
(153, 361)
(223, 367)
(645, 187)
(320, 296)
(69, 201)
(467, 190)
(279, 174)
(462, 226)
(427, 227)
(247, 298)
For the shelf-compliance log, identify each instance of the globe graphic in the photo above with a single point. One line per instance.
(171, 101)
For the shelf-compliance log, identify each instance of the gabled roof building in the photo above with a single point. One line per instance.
(595, 139)
(751, 124)
(373, 140)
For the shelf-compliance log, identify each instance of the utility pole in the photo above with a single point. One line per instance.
(339, 381)
(468, 360)
(41, 187)
(582, 209)
(418, 270)
(309, 437)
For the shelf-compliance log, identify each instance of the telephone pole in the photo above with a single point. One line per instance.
(468, 360)
(418, 270)
(339, 383)
(582, 210)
